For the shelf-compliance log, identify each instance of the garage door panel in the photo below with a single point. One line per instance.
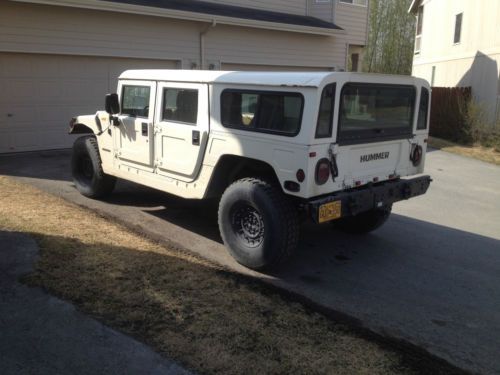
(17, 90)
(82, 68)
(48, 91)
(24, 116)
(43, 92)
(14, 67)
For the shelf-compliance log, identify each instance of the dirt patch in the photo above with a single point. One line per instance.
(205, 317)
(488, 154)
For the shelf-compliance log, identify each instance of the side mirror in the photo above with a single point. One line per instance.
(112, 104)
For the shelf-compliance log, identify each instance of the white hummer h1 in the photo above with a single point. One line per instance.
(274, 147)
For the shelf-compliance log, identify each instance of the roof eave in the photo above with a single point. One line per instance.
(188, 16)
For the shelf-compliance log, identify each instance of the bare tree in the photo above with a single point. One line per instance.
(391, 37)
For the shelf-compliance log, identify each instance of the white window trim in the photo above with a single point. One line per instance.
(352, 4)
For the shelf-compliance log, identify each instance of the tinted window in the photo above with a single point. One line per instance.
(180, 105)
(325, 115)
(371, 111)
(265, 111)
(135, 101)
(423, 109)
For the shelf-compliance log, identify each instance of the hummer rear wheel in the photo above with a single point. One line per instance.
(258, 224)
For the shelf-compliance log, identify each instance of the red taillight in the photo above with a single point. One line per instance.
(322, 171)
(301, 175)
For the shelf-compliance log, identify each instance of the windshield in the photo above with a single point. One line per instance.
(375, 112)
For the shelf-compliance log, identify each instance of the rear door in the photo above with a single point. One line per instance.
(375, 130)
(134, 136)
(181, 129)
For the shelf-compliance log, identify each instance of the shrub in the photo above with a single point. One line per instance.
(449, 114)
(481, 131)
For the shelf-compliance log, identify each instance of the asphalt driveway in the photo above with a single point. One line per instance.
(430, 276)
(41, 334)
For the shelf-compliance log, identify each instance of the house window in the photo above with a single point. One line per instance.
(363, 3)
(458, 28)
(180, 105)
(135, 101)
(420, 22)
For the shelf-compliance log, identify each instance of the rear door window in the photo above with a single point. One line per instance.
(374, 112)
(180, 105)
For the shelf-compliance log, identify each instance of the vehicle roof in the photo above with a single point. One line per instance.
(292, 79)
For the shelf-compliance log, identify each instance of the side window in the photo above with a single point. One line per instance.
(135, 101)
(180, 105)
(325, 115)
(262, 111)
(423, 109)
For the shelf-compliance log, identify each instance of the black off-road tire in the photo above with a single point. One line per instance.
(258, 224)
(86, 168)
(364, 222)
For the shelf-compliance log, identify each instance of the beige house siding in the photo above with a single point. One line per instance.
(255, 46)
(283, 6)
(61, 30)
(475, 61)
(354, 19)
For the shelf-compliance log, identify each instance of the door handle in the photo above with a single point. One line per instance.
(145, 127)
(196, 137)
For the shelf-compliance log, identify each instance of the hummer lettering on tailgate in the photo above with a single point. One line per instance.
(370, 157)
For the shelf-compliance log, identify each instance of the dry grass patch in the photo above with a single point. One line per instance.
(488, 154)
(210, 320)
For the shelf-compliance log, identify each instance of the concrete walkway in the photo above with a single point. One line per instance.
(40, 334)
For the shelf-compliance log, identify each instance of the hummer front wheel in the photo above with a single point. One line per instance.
(88, 175)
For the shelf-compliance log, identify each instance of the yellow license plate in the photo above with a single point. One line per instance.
(330, 211)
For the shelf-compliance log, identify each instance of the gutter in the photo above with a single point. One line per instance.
(202, 42)
(184, 15)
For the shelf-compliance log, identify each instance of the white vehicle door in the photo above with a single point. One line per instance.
(134, 137)
(181, 129)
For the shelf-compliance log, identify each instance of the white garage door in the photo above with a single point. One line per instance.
(272, 68)
(40, 93)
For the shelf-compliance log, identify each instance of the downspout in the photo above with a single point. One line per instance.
(202, 42)
(347, 47)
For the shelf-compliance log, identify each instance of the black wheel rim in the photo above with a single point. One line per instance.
(248, 225)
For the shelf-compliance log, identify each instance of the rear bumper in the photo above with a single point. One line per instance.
(368, 197)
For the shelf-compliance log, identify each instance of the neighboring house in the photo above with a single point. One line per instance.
(59, 58)
(458, 44)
